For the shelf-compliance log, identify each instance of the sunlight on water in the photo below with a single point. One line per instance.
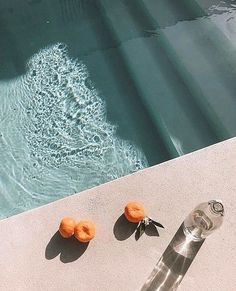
(224, 17)
(55, 137)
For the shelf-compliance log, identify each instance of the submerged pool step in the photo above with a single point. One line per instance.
(124, 78)
(161, 91)
(206, 61)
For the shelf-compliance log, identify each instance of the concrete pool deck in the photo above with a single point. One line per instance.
(33, 257)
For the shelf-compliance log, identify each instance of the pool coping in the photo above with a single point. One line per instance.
(32, 257)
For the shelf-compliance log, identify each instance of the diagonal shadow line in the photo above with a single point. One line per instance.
(174, 263)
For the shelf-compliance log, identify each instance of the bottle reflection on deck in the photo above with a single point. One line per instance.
(177, 258)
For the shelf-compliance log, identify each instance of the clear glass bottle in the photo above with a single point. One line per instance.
(204, 219)
(181, 251)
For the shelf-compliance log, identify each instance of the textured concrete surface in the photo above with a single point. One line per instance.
(33, 258)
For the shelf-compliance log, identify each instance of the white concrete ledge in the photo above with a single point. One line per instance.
(32, 258)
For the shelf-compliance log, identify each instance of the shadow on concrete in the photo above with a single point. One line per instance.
(174, 263)
(150, 230)
(69, 249)
(123, 229)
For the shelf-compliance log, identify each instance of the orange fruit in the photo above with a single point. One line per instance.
(85, 231)
(134, 212)
(67, 226)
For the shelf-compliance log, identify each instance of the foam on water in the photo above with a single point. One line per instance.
(55, 137)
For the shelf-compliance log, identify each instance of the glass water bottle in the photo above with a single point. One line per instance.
(204, 219)
(184, 246)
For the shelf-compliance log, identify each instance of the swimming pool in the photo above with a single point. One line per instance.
(94, 90)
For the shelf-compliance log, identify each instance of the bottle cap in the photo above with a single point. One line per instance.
(216, 207)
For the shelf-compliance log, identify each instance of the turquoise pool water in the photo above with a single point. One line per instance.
(93, 90)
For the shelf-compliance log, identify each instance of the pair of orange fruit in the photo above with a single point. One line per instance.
(84, 230)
